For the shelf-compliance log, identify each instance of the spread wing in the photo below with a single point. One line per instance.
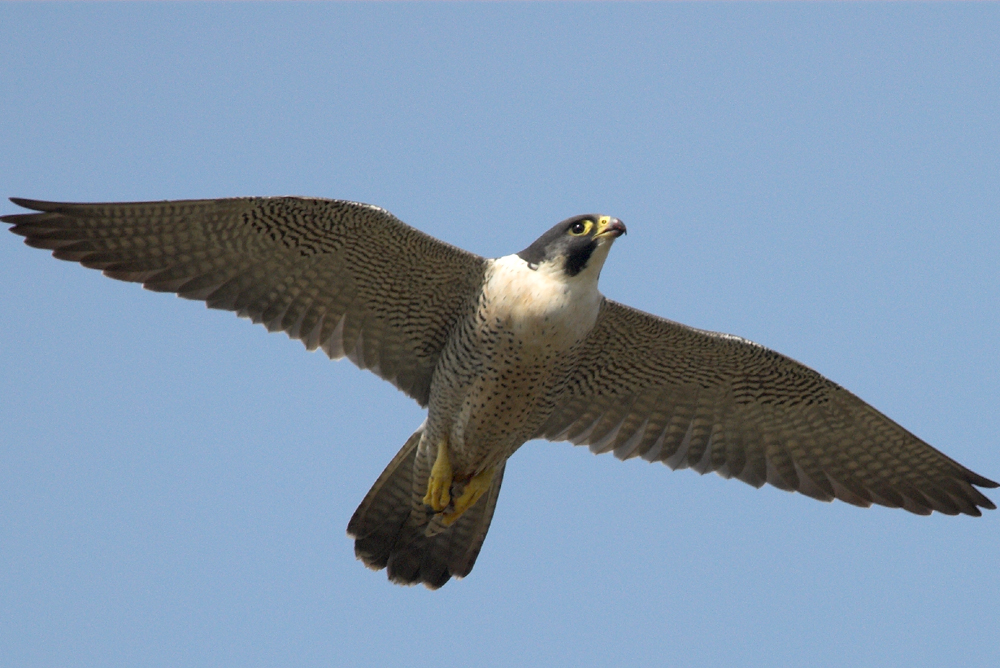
(347, 277)
(649, 387)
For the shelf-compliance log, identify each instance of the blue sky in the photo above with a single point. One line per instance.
(823, 179)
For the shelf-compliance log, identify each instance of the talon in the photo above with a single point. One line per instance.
(473, 490)
(438, 494)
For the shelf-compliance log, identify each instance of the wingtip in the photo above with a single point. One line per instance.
(974, 478)
(13, 218)
(987, 483)
(34, 204)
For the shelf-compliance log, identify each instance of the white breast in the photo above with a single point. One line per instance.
(540, 306)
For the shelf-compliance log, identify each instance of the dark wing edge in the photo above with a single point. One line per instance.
(648, 387)
(346, 277)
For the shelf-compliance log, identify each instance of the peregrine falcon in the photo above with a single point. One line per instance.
(502, 351)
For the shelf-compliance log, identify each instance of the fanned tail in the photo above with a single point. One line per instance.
(390, 527)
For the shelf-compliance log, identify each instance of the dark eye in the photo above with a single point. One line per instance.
(579, 227)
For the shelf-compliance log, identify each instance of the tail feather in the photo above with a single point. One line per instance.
(390, 527)
(380, 518)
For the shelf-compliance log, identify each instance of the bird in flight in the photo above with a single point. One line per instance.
(500, 352)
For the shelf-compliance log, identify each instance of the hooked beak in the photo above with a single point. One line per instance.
(610, 227)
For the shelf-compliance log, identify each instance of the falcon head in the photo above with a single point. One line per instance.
(576, 245)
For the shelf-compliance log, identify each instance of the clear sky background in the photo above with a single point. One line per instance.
(175, 483)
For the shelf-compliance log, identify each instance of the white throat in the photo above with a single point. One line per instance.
(543, 304)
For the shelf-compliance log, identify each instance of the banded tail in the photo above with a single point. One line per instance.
(390, 527)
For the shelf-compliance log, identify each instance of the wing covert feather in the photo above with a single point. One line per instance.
(648, 387)
(349, 278)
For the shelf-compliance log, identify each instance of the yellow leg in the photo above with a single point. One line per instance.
(473, 490)
(439, 484)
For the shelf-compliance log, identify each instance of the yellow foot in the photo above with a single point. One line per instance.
(473, 490)
(438, 494)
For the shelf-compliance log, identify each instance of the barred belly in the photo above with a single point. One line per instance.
(500, 374)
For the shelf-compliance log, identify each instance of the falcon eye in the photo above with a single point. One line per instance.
(580, 227)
